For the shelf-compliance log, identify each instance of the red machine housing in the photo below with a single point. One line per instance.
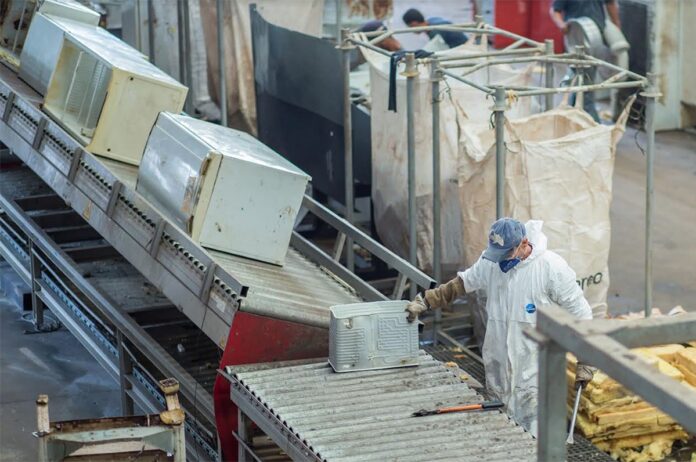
(259, 339)
(529, 18)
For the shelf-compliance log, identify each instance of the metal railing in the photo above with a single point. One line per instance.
(605, 344)
(444, 65)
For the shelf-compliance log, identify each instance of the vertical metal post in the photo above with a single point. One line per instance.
(138, 26)
(187, 57)
(151, 30)
(551, 421)
(19, 26)
(499, 112)
(548, 74)
(221, 62)
(650, 99)
(435, 78)
(580, 71)
(437, 235)
(411, 74)
(125, 369)
(339, 21)
(243, 429)
(348, 145)
(37, 305)
(180, 29)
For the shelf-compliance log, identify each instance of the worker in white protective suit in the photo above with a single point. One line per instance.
(519, 275)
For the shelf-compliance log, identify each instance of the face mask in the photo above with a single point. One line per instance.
(507, 265)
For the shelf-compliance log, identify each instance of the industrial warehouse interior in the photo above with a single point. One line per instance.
(347, 230)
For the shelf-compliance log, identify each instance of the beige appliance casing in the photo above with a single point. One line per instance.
(107, 95)
(228, 190)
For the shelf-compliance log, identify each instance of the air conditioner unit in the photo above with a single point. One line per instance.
(228, 190)
(43, 44)
(373, 335)
(17, 15)
(107, 95)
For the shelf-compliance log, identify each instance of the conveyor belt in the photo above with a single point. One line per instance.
(158, 325)
(313, 413)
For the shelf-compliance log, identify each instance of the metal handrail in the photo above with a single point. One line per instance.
(365, 241)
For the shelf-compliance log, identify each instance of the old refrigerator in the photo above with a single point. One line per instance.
(228, 190)
(108, 95)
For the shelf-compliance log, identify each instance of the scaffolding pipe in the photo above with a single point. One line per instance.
(548, 74)
(347, 48)
(411, 74)
(151, 30)
(499, 111)
(650, 99)
(437, 236)
(187, 56)
(221, 62)
(180, 39)
(339, 21)
(437, 227)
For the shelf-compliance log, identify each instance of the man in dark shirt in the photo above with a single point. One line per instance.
(414, 18)
(389, 44)
(564, 10)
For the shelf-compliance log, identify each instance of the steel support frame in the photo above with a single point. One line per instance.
(605, 344)
(349, 181)
(115, 360)
(411, 73)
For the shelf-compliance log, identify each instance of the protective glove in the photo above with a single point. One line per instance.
(583, 375)
(416, 308)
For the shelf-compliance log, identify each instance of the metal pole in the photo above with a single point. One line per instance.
(151, 30)
(347, 48)
(499, 111)
(411, 74)
(551, 421)
(437, 236)
(548, 73)
(37, 305)
(650, 99)
(339, 21)
(580, 71)
(181, 41)
(125, 369)
(187, 56)
(435, 78)
(221, 62)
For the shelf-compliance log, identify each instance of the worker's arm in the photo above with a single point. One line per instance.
(439, 297)
(613, 11)
(556, 12)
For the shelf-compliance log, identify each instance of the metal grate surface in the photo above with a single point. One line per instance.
(367, 415)
(582, 450)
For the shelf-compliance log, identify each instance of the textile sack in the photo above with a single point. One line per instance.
(559, 167)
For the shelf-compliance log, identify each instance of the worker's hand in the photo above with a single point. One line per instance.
(583, 375)
(415, 308)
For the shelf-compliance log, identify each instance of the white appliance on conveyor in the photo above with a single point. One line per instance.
(228, 190)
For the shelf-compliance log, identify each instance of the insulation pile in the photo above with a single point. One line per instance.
(623, 424)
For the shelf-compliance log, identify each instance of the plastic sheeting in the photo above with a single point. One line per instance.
(460, 104)
(299, 15)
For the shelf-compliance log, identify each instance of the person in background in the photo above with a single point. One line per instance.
(414, 18)
(518, 274)
(389, 44)
(564, 10)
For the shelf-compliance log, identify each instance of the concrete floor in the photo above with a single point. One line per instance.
(51, 363)
(674, 224)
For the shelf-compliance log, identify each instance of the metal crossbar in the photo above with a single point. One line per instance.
(605, 344)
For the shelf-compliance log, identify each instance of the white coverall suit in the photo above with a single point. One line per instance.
(510, 358)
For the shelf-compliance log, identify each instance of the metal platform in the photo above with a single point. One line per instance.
(315, 414)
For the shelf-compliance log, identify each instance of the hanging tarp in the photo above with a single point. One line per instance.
(298, 15)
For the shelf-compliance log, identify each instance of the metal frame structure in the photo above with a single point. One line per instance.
(522, 50)
(605, 344)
